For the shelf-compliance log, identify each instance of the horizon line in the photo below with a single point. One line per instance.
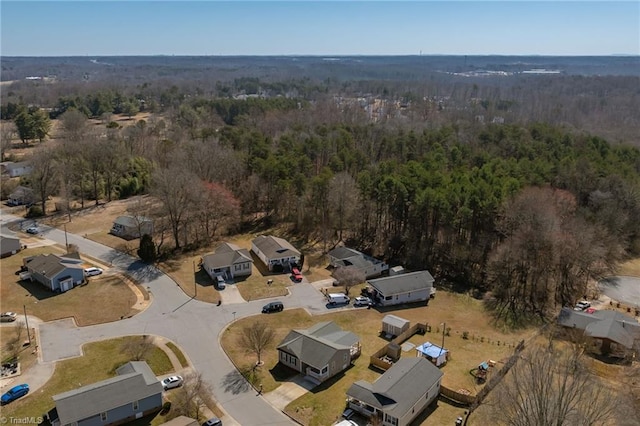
(294, 55)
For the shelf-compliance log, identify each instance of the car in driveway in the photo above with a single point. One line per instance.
(172, 382)
(582, 305)
(213, 421)
(89, 272)
(8, 317)
(14, 393)
(220, 282)
(362, 301)
(33, 230)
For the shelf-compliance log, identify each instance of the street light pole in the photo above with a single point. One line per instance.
(66, 241)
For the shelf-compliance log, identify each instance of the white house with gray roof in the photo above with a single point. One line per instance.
(276, 253)
(319, 352)
(130, 227)
(398, 396)
(345, 256)
(132, 394)
(404, 288)
(57, 273)
(228, 261)
(9, 244)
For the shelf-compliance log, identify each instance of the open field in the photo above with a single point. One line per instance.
(631, 268)
(79, 302)
(460, 313)
(99, 362)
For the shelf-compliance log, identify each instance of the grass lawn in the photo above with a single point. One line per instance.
(79, 302)
(26, 355)
(326, 402)
(631, 268)
(100, 361)
(178, 353)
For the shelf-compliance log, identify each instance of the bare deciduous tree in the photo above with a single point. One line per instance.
(551, 388)
(138, 347)
(7, 132)
(348, 276)
(256, 337)
(190, 397)
(13, 343)
(44, 174)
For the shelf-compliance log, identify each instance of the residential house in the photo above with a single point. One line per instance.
(319, 352)
(614, 330)
(130, 227)
(21, 168)
(57, 273)
(398, 396)
(21, 196)
(132, 394)
(228, 261)
(9, 245)
(276, 253)
(345, 256)
(404, 288)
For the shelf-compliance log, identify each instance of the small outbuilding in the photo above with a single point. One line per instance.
(435, 354)
(393, 325)
(9, 245)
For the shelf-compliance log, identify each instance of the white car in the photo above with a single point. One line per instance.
(92, 271)
(34, 230)
(172, 382)
(8, 317)
(582, 305)
(362, 301)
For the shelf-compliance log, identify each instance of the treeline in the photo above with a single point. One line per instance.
(526, 214)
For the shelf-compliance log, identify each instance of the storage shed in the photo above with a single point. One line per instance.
(393, 325)
(433, 353)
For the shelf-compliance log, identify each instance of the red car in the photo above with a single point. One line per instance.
(296, 276)
(296, 271)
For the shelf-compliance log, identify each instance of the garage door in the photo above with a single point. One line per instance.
(66, 285)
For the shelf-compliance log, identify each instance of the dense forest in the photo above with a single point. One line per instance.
(525, 210)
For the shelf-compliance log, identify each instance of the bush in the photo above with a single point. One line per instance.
(34, 211)
(112, 125)
(465, 335)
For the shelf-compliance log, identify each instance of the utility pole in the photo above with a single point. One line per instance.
(26, 321)
(66, 241)
(444, 327)
(195, 284)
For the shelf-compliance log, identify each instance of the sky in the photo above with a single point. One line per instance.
(111, 28)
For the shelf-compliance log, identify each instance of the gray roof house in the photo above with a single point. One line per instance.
(58, 274)
(604, 325)
(345, 256)
(400, 394)
(21, 196)
(18, 169)
(130, 227)
(276, 253)
(9, 245)
(229, 261)
(404, 288)
(319, 352)
(133, 393)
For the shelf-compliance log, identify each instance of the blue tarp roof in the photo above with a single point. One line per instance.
(431, 350)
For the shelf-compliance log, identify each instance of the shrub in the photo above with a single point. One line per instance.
(112, 125)
(465, 335)
(34, 211)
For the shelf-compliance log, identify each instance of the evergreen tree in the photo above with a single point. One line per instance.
(147, 250)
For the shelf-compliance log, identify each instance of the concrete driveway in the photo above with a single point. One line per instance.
(288, 391)
(193, 325)
(623, 289)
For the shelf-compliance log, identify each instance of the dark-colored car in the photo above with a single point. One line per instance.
(15, 393)
(276, 306)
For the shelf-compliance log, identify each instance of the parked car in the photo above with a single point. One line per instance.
(89, 272)
(172, 382)
(15, 393)
(582, 305)
(8, 317)
(296, 277)
(362, 301)
(33, 230)
(214, 421)
(276, 306)
(220, 282)
(338, 298)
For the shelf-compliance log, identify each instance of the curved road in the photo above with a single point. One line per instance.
(193, 325)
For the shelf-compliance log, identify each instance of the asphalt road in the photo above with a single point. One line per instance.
(195, 326)
(622, 289)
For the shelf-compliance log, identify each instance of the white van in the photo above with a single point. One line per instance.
(338, 298)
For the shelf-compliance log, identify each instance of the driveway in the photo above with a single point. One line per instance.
(623, 289)
(193, 325)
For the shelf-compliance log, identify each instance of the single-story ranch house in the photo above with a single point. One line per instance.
(9, 245)
(130, 227)
(319, 352)
(404, 288)
(57, 273)
(228, 261)
(345, 256)
(132, 394)
(277, 254)
(398, 396)
(21, 196)
(21, 168)
(613, 329)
